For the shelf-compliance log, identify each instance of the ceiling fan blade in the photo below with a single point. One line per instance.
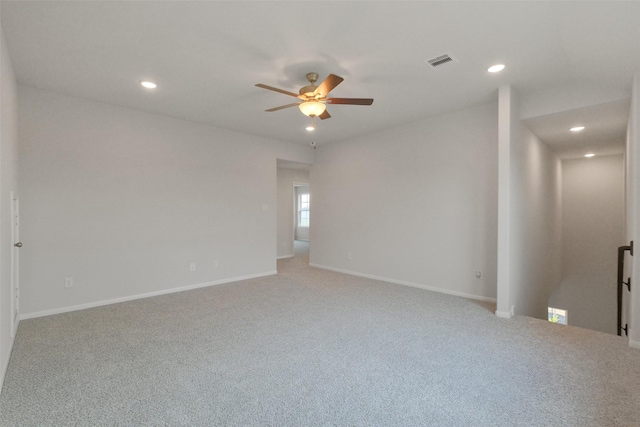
(325, 115)
(350, 101)
(282, 107)
(275, 89)
(328, 84)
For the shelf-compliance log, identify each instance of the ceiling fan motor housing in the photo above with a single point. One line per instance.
(308, 90)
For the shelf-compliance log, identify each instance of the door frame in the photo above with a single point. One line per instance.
(15, 263)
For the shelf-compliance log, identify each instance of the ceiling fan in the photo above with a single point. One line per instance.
(314, 98)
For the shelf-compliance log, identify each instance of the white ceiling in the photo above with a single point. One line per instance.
(206, 57)
(604, 134)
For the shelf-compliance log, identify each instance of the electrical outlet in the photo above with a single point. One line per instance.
(68, 282)
(215, 263)
(349, 255)
(192, 266)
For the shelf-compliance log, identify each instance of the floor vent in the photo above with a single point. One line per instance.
(440, 61)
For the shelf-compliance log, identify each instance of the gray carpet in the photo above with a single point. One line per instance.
(310, 347)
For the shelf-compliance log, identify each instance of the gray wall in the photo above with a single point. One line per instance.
(536, 221)
(414, 204)
(592, 230)
(530, 221)
(8, 183)
(123, 201)
(286, 219)
(632, 185)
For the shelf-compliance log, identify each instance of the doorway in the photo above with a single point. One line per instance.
(302, 221)
(293, 217)
(590, 143)
(302, 205)
(592, 229)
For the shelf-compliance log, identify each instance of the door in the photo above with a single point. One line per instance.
(15, 263)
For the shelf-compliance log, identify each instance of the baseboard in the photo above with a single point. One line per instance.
(285, 256)
(634, 344)
(405, 283)
(140, 296)
(503, 314)
(5, 366)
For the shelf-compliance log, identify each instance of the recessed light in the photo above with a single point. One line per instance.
(149, 85)
(495, 68)
(589, 155)
(577, 128)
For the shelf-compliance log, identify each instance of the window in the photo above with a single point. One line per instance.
(557, 315)
(303, 210)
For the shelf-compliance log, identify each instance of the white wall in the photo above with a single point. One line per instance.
(529, 240)
(536, 224)
(633, 209)
(592, 230)
(414, 204)
(8, 183)
(123, 201)
(286, 219)
(508, 123)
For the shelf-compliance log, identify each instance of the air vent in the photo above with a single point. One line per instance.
(441, 61)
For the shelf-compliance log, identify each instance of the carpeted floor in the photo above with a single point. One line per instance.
(309, 347)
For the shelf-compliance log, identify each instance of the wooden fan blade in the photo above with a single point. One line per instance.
(328, 84)
(325, 115)
(282, 107)
(350, 101)
(275, 89)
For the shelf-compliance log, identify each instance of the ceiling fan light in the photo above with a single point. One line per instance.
(312, 108)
